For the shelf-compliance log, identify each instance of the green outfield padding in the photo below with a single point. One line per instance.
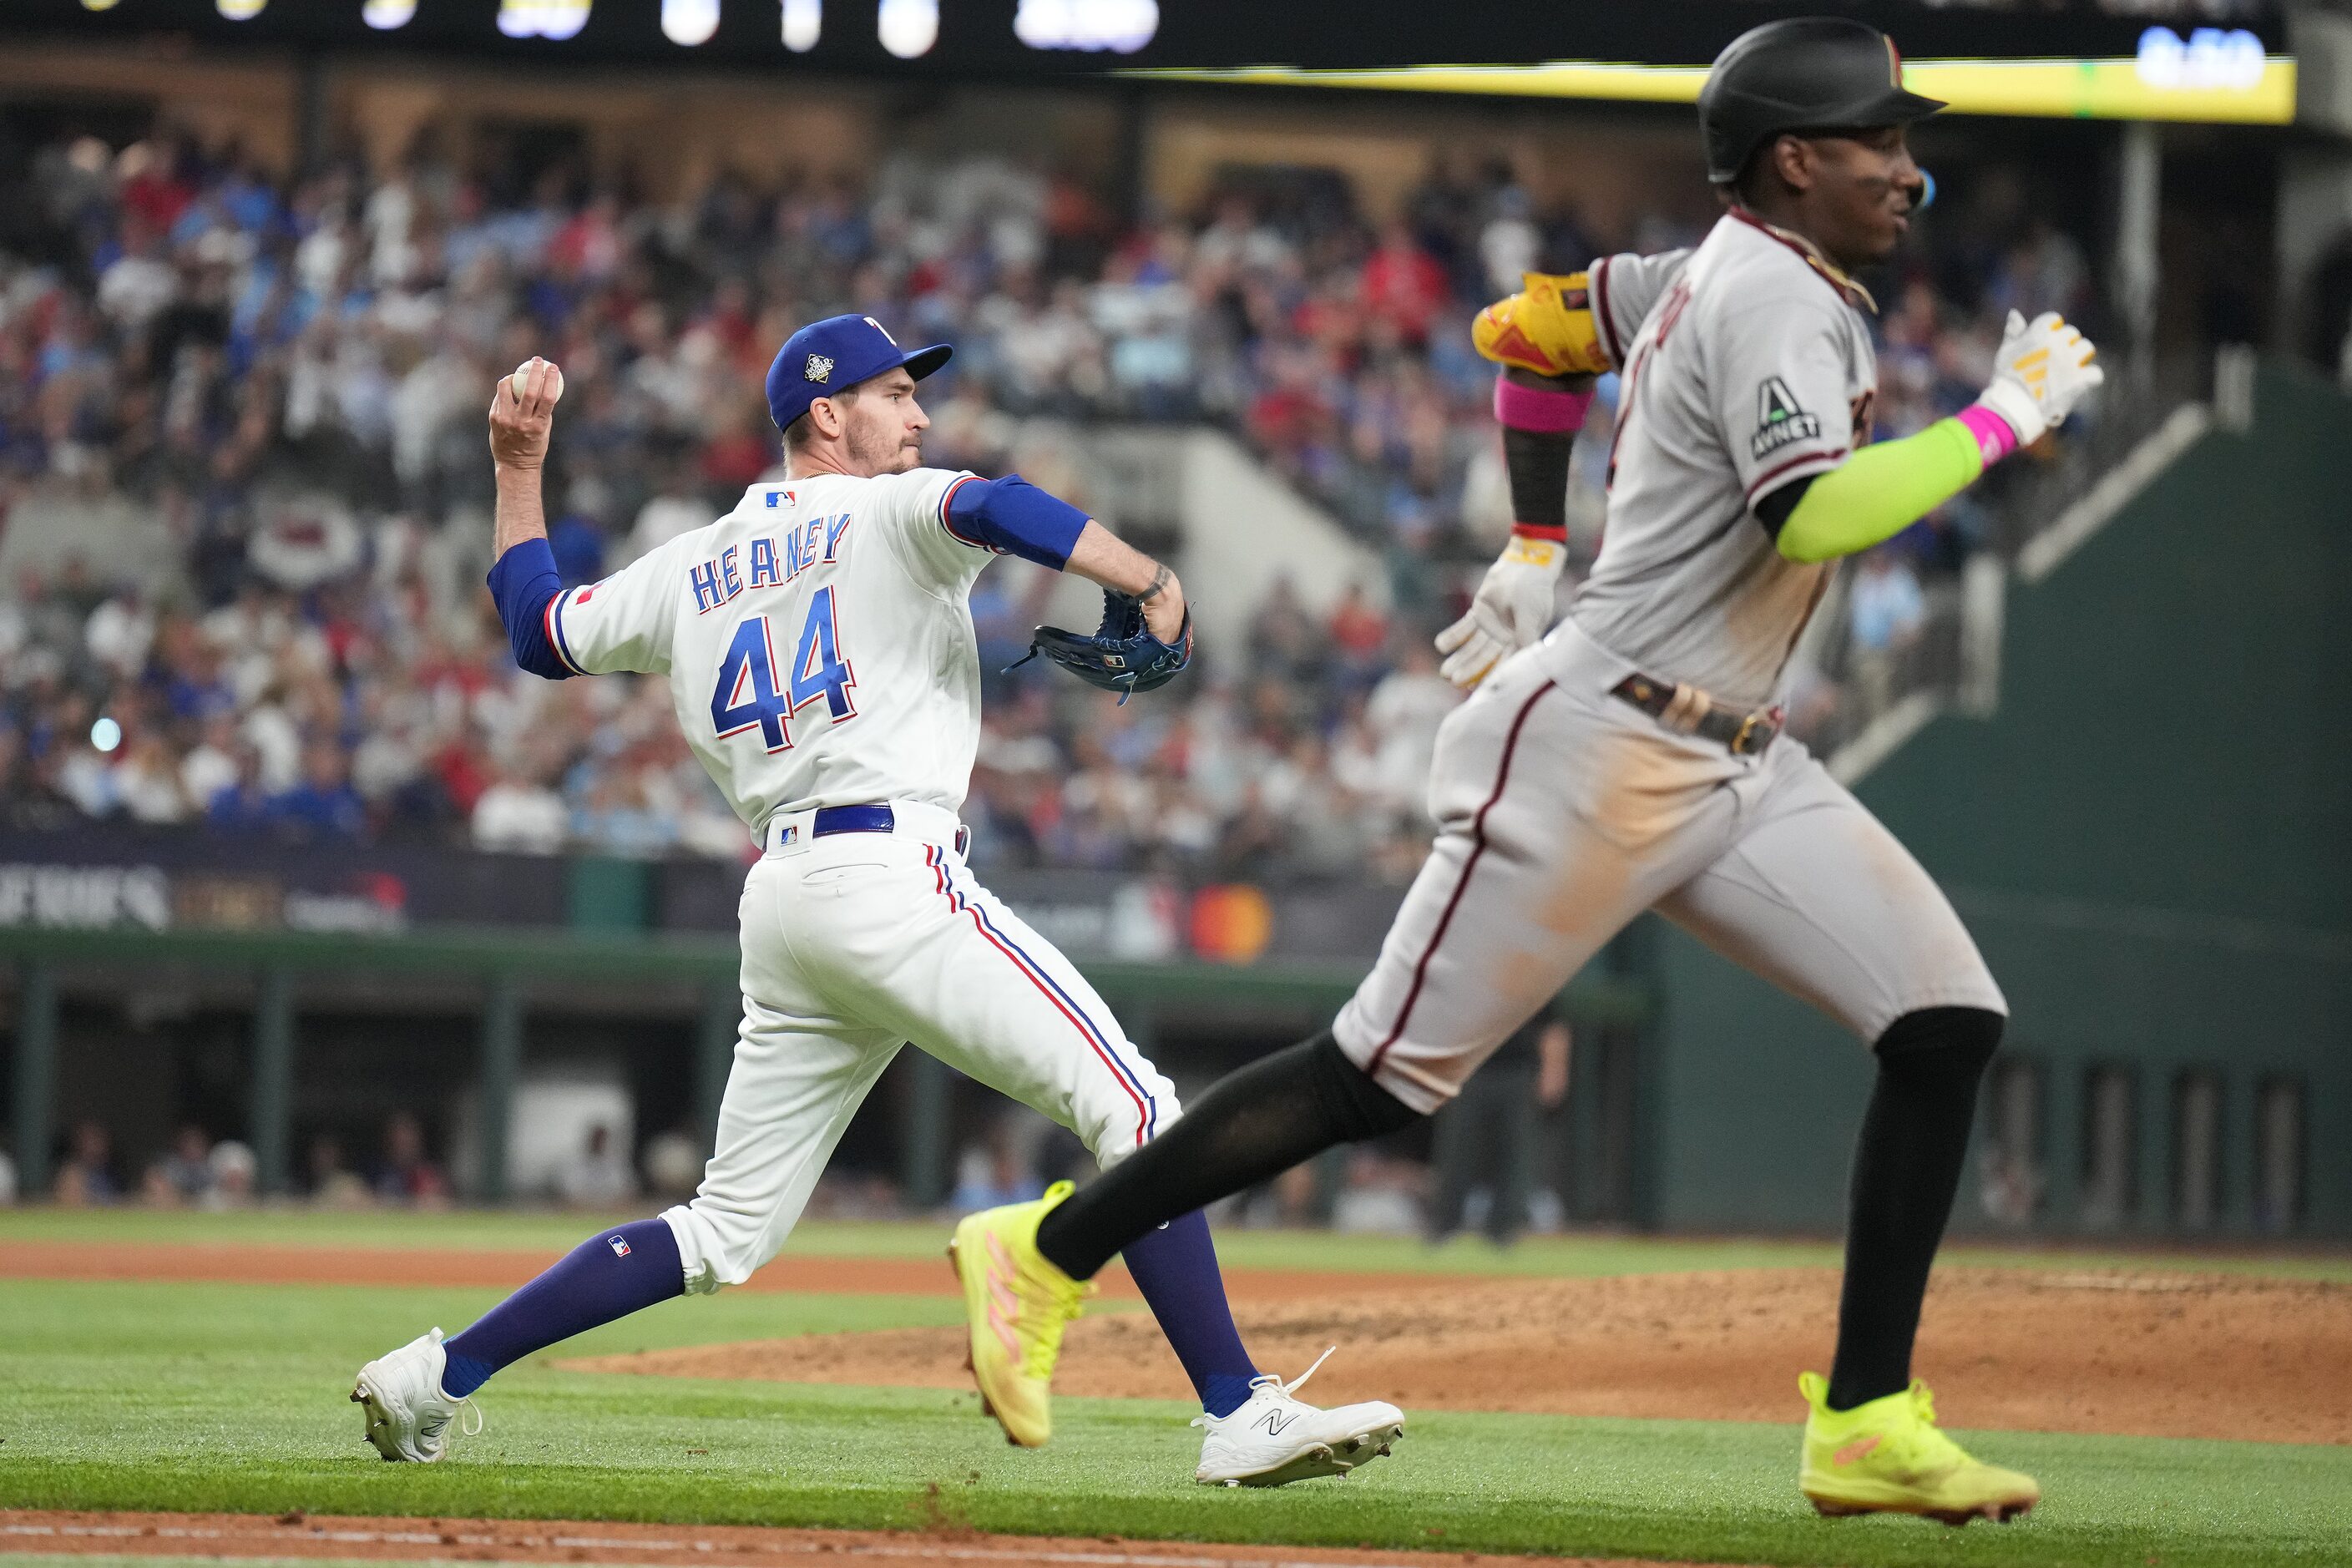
(229, 1397)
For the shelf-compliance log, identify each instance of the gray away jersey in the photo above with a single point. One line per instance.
(1751, 367)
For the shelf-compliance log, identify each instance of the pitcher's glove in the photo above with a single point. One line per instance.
(1122, 655)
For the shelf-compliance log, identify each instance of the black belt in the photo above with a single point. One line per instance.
(1686, 709)
(832, 819)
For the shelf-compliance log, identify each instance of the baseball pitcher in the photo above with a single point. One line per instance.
(819, 647)
(1632, 759)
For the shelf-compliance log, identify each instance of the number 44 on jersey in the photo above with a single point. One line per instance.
(748, 696)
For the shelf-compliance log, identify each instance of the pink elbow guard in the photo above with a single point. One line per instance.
(1539, 409)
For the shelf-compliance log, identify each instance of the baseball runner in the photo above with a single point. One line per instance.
(1631, 759)
(819, 646)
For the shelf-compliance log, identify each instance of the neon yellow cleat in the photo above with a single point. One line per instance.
(1887, 1457)
(1017, 1305)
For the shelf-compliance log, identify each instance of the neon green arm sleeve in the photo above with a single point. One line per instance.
(1880, 492)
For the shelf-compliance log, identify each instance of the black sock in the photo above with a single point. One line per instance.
(1251, 1126)
(1906, 1169)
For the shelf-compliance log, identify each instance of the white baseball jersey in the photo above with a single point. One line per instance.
(818, 642)
(1752, 368)
(819, 646)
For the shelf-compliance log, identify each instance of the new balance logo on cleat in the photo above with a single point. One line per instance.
(1003, 1303)
(1856, 1451)
(1276, 1437)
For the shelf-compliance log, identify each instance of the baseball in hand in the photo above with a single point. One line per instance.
(523, 377)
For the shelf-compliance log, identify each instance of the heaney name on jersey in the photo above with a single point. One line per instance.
(765, 622)
(765, 561)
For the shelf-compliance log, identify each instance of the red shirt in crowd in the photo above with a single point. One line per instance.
(1404, 283)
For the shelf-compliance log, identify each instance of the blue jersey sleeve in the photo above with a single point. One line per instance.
(525, 583)
(1015, 516)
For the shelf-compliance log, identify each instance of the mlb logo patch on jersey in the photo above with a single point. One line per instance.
(819, 368)
(619, 1244)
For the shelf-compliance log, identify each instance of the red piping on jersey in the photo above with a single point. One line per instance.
(1768, 475)
(1147, 1106)
(555, 633)
(1600, 290)
(1477, 848)
(946, 499)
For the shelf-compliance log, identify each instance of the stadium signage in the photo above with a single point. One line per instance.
(554, 19)
(84, 898)
(99, 879)
(2215, 81)
(1121, 26)
(1053, 39)
(2208, 60)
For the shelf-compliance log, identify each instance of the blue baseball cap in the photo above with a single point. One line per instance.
(829, 357)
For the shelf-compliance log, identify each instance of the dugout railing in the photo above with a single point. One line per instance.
(500, 976)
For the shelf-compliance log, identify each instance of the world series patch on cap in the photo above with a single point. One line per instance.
(828, 358)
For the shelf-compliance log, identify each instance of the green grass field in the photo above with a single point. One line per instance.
(477, 1230)
(210, 1396)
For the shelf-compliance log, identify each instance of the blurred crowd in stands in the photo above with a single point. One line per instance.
(241, 447)
(1375, 1191)
(193, 1170)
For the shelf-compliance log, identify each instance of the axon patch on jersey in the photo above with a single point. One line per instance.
(1779, 419)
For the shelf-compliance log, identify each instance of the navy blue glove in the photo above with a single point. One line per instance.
(1122, 655)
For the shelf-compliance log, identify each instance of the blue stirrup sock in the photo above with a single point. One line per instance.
(1175, 1266)
(608, 1276)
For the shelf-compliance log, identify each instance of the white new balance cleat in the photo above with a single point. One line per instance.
(1277, 1437)
(407, 1415)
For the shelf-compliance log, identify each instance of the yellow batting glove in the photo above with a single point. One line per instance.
(1547, 327)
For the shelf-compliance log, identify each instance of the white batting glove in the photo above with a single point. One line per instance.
(1512, 610)
(2042, 371)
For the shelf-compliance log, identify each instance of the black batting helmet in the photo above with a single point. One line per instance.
(1807, 73)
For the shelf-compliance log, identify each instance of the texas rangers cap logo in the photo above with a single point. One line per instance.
(819, 367)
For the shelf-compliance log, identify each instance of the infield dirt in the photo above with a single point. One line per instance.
(2032, 1350)
(314, 1538)
(2165, 1355)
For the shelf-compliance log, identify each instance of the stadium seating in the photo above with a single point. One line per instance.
(240, 441)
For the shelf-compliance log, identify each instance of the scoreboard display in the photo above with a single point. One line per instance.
(2081, 61)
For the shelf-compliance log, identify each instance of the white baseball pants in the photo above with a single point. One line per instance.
(1564, 813)
(854, 943)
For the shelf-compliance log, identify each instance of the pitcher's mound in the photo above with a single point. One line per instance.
(2171, 1355)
